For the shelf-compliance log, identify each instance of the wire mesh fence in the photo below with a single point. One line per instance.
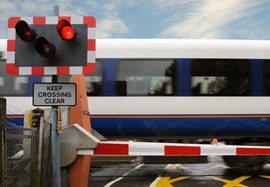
(27, 157)
(21, 146)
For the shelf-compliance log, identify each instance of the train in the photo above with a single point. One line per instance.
(170, 90)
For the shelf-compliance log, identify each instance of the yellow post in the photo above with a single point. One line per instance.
(79, 170)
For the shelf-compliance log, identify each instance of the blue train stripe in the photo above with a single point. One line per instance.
(184, 116)
(182, 125)
(202, 126)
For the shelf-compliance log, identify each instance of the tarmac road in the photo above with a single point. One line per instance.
(213, 174)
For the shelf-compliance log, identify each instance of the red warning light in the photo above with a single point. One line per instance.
(26, 33)
(67, 33)
(65, 30)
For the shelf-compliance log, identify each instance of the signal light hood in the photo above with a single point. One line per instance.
(26, 33)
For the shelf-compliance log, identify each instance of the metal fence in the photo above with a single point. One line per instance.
(21, 146)
(27, 156)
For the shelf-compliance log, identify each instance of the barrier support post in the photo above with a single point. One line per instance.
(79, 170)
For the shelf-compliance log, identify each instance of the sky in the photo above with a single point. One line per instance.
(211, 19)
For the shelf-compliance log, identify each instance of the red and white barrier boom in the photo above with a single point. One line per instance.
(81, 142)
(111, 148)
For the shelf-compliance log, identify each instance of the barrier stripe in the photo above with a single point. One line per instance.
(218, 150)
(253, 151)
(111, 149)
(182, 150)
(148, 149)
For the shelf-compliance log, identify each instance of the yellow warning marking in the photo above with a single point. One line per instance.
(30, 118)
(232, 183)
(166, 181)
(265, 176)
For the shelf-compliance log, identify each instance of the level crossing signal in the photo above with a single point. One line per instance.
(51, 45)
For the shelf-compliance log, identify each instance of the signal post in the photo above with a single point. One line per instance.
(60, 45)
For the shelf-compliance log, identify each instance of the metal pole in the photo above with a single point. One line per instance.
(2, 145)
(56, 10)
(56, 171)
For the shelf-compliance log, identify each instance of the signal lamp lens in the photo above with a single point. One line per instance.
(26, 33)
(45, 48)
(67, 33)
(65, 30)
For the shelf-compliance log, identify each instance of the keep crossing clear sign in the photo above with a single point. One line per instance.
(54, 94)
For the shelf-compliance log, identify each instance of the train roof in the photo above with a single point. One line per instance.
(178, 48)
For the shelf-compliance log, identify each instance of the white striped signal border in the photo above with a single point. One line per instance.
(12, 69)
(109, 148)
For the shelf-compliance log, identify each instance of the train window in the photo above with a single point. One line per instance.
(220, 77)
(145, 77)
(12, 85)
(267, 77)
(94, 82)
